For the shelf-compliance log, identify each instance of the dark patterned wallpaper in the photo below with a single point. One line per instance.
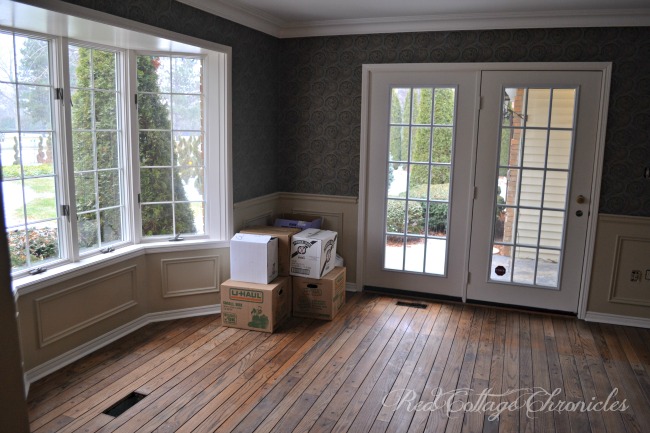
(320, 99)
(254, 80)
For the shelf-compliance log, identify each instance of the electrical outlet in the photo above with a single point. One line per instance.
(635, 276)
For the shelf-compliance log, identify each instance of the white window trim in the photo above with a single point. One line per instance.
(97, 28)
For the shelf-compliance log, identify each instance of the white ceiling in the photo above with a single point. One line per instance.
(295, 18)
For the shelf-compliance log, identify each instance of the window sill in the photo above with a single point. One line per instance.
(32, 283)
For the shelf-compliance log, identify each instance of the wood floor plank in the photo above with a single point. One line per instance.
(455, 422)
(437, 347)
(394, 395)
(541, 381)
(366, 404)
(491, 418)
(268, 390)
(602, 386)
(578, 420)
(560, 419)
(444, 377)
(473, 420)
(333, 376)
(159, 391)
(287, 413)
(92, 364)
(596, 422)
(58, 419)
(321, 393)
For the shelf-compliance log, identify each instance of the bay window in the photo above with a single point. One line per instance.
(103, 147)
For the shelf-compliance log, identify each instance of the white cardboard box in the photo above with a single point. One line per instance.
(253, 258)
(313, 253)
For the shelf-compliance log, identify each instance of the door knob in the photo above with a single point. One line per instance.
(580, 199)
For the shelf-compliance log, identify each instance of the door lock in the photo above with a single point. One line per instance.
(580, 199)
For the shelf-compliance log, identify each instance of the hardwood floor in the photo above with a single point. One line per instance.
(366, 371)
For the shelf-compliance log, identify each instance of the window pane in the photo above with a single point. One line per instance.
(17, 248)
(87, 227)
(82, 101)
(395, 216)
(154, 74)
(8, 107)
(40, 198)
(563, 112)
(105, 110)
(188, 150)
(107, 150)
(156, 184)
(110, 225)
(85, 191)
(192, 182)
(535, 148)
(414, 260)
(421, 144)
(438, 214)
(35, 108)
(33, 60)
(442, 144)
(399, 143)
(37, 154)
(155, 148)
(43, 241)
(186, 75)
(397, 174)
(187, 112)
(73, 62)
(444, 107)
(83, 153)
(157, 219)
(153, 111)
(539, 101)
(400, 106)
(13, 205)
(185, 218)
(394, 252)
(103, 66)
(418, 181)
(7, 65)
(422, 106)
(108, 183)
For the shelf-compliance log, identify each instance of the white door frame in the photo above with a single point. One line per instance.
(604, 67)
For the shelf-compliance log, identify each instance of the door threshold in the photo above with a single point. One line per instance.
(411, 294)
(520, 308)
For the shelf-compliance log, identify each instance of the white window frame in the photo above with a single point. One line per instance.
(90, 28)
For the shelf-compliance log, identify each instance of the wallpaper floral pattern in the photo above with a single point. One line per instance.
(297, 102)
(320, 99)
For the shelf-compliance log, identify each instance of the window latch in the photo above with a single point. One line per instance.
(37, 271)
(65, 211)
(177, 238)
(58, 94)
(107, 250)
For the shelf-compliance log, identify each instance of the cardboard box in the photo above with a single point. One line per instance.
(258, 307)
(298, 221)
(284, 235)
(253, 258)
(319, 299)
(313, 253)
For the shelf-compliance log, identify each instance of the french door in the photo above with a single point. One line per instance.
(478, 183)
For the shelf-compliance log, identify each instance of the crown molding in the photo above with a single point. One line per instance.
(274, 26)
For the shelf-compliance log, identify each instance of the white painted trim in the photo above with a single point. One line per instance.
(274, 26)
(352, 287)
(25, 285)
(592, 222)
(624, 219)
(366, 81)
(615, 319)
(213, 288)
(87, 348)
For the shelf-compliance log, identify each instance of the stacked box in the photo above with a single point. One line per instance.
(284, 235)
(313, 253)
(253, 258)
(319, 298)
(258, 307)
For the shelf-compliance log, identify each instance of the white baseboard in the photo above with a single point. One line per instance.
(351, 287)
(615, 319)
(79, 352)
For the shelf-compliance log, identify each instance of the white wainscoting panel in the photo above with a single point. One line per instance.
(84, 304)
(190, 276)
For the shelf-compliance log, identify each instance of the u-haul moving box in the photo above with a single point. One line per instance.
(319, 299)
(284, 235)
(258, 307)
(253, 258)
(313, 253)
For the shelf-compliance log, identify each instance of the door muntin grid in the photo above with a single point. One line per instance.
(419, 173)
(536, 142)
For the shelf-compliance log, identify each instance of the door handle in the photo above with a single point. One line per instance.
(580, 199)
